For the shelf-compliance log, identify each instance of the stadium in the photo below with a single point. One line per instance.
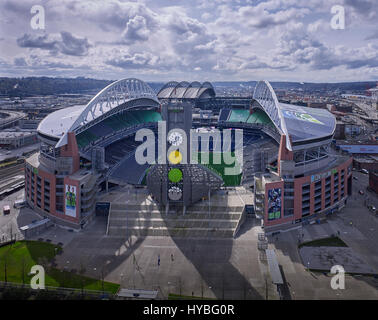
(289, 175)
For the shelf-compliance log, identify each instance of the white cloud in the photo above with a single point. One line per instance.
(220, 39)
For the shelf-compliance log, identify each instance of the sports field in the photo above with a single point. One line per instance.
(17, 259)
(219, 168)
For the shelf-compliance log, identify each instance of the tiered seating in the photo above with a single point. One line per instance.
(148, 116)
(100, 129)
(259, 116)
(115, 123)
(85, 138)
(130, 171)
(119, 150)
(223, 116)
(238, 115)
(244, 116)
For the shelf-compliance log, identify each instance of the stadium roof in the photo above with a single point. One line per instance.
(114, 98)
(186, 90)
(307, 123)
(300, 123)
(58, 122)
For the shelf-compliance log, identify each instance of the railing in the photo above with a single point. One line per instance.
(4, 284)
(117, 135)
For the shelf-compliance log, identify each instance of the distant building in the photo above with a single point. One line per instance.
(340, 130)
(321, 105)
(17, 139)
(369, 163)
(359, 147)
(373, 180)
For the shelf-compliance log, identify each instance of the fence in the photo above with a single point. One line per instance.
(8, 239)
(60, 290)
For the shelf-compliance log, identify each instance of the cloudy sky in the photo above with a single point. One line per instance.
(161, 40)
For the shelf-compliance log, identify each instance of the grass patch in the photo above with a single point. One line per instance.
(17, 259)
(325, 242)
(219, 168)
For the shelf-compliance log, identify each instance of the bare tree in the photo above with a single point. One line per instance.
(102, 278)
(5, 268)
(180, 285)
(6, 265)
(23, 267)
(81, 272)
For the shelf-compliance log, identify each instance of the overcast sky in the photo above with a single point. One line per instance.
(161, 40)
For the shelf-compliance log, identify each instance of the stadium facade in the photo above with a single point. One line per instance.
(288, 162)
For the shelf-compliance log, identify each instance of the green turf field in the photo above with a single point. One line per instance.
(229, 180)
(17, 259)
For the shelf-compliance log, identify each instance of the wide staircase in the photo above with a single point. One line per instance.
(147, 219)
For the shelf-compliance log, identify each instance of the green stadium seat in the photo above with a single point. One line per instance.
(119, 122)
(238, 115)
(259, 116)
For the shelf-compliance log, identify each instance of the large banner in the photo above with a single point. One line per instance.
(70, 200)
(274, 204)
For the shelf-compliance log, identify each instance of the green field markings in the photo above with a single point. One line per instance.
(17, 259)
(219, 168)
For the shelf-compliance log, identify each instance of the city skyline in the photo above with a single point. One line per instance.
(221, 40)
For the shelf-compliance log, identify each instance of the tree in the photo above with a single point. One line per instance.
(180, 285)
(23, 267)
(102, 279)
(6, 264)
(81, 272)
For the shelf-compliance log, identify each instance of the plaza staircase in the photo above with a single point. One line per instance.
(148, 219)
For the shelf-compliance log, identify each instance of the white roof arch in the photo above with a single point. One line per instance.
(115, 94)
(186, 90)
(266, 97)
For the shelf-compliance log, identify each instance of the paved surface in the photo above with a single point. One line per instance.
(17, 152)
(222, 268)
(361, 235)
(11, 223)
(219, 268)
(323, 258)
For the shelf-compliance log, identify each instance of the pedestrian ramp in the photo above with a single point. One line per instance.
(274, 269)
(138, 294)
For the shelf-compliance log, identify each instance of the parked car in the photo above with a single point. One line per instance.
(19, 203)
(364, 171)
(355, 178)
(6, 210)
(361, 192)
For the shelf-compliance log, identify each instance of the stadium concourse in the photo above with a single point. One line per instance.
(290, 175)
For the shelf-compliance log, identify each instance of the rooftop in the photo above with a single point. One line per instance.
(58, 122)
(14, 134)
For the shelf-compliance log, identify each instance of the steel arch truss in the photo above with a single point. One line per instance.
(266, 97)
(115, 94)
(185, 90)
(206, 86)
